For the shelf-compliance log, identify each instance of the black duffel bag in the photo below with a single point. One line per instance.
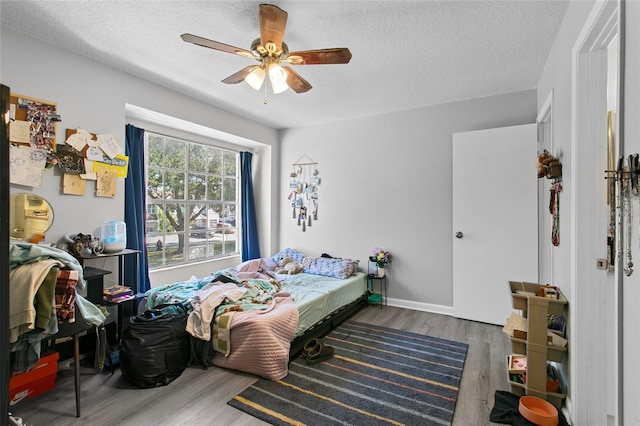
(155, 347)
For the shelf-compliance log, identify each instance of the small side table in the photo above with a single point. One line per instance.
(95, 284)
(382, 283)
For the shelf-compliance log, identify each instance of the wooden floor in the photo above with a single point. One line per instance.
(199, 397)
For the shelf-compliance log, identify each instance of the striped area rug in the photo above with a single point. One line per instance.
(378, 376)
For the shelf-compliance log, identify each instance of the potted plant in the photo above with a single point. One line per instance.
(382, 258)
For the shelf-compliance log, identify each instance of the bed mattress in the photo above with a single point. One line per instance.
(316, 296)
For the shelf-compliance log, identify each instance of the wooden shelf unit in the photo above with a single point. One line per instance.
(535, 346)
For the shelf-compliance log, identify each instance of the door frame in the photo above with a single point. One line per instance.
(589, 123)
(544, 120)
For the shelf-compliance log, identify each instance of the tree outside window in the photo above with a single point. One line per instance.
(192, 201)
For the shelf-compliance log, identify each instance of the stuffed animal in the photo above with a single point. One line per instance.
(286, 265)
(548, 165)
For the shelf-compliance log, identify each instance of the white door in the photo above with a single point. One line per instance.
(495, 222)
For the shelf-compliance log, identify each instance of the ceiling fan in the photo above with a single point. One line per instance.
(270, 51)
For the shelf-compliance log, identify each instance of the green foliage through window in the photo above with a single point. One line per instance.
(192, 201)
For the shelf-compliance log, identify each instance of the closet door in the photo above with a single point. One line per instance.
(495, 219)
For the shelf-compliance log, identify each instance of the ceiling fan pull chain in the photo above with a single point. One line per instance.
(266, 92)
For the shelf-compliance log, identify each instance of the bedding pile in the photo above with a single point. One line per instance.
(231, 299)
(248, 315)
(261, 340)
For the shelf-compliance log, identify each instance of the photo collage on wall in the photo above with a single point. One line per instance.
(32, 134)
(303, 193)
(82, 157)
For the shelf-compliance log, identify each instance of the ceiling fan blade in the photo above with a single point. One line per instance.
(240, 75)
(338, 55)
(273, 21)
(205, 42)
(296, 82)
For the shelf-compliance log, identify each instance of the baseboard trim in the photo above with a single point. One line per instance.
(419, 306)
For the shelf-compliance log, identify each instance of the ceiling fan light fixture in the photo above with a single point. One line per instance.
(255, 78)
(270, 49)
(278, 77)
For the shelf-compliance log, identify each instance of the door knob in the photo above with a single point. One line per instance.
(459, 234)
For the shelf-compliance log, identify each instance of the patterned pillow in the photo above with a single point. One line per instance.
(336, 268)
(296, 255)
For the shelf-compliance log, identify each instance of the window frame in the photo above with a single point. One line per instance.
(231, 225)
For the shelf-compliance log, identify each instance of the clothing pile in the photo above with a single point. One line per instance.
(42, 290)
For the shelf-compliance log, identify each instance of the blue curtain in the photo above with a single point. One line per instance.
(250, 246)
(135, 209)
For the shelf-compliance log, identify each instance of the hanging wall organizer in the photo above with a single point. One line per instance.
(304, 191)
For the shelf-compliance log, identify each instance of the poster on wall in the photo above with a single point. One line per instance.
(70, 160)
(106, 183)
(118, 164)
(73, 184)
(19, 132)
(26, 165)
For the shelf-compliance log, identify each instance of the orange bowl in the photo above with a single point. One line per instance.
(538, 411)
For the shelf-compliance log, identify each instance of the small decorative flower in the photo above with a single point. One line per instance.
(382, 258)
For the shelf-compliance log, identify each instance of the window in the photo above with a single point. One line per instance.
(192, 201)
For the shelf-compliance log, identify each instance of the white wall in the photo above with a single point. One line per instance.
(557, 77)
(386, 181)
(93, 96)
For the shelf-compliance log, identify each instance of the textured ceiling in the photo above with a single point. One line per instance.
(406, 54)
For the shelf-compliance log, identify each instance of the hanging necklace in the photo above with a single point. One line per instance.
(554, 208)
(628, 206)
(611, 237)
(619, 213)
(635, 184)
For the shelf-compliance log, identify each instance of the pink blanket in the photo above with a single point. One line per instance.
(260, 340)
(256, 268)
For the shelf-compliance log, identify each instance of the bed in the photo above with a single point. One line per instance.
(261, 331)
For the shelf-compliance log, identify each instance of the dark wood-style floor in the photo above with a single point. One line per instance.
(199, 397)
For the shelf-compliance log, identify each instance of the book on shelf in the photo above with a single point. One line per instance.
(117, 294)
(117, 290)
(118, 299)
